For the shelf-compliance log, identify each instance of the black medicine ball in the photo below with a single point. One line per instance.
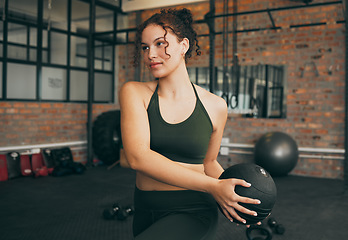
(262, 188)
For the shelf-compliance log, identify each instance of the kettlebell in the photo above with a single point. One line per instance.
(265, 231)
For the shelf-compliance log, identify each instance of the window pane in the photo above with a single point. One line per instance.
(44, 56)
(78, 85)
(57, 15)
(16, 52)
(104, 20)
(121, 37)
(98, 64)
(107, 57)
(33, 37)
(1, 30)
(44, 39)
(21, 81)
(98, 49)
(79, 16)
(58, 48)
(103, 56)
(123, 21)
(32, 56)
(103, 87)
(98, 55)
(53, 84)
(23, 10)
(78, 52)
(44, 46)
(17, 33)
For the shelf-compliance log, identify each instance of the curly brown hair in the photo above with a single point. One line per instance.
(180, 22)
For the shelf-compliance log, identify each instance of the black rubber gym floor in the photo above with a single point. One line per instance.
(70, 207)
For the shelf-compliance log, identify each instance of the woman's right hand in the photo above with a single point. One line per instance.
(225, 195)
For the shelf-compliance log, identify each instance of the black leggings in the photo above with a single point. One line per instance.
(174, 215)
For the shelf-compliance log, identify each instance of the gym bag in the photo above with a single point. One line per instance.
(13, 165)
(62, 156)
(25, 165)
(64, 163)
(48, 159)
(38, 165)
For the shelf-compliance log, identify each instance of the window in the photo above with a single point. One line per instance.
(54, 84)
(47, 58)
(78, 85)
(22, 84)
(251, 91)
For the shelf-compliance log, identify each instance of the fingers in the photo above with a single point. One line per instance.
(245, 210)
(248, 200)
(230, 202)
(232, 214)
(241, 182)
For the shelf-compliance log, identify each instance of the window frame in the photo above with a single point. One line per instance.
(41, 26)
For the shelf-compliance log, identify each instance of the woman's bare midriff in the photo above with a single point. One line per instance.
(146, 183)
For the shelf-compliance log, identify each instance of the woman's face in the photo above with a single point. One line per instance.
(162, 55)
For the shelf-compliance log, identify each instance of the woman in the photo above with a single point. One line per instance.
(171, 132)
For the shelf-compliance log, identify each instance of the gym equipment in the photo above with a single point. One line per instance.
(26, 165)
(106, 134)
(13, 165)
(118, 212)
(62, 156)
(48, 158)
(40, 172)
(259, 232)
(3, 168)
(38, 166)
(64, 162)
(277, 152)
(263, 231)
(262, 188)
(275, 226)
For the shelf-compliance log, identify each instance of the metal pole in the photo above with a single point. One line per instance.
(346, 108)
(235, 61)
(4, 49)
(90, 81)
(225, 78)
(211, 24)
(39, 50)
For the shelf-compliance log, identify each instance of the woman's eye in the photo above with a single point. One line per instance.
(160, 44)
(144, 48)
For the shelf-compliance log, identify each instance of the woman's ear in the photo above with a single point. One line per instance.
(185, 45)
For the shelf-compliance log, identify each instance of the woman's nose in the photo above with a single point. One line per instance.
(152, 53)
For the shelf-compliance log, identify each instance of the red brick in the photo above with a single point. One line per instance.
(45, 105)
(5, 104)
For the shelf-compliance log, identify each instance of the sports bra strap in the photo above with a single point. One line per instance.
(195, 90)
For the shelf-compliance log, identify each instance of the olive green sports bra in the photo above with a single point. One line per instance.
(186, 141)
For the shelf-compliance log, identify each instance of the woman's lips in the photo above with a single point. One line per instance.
(154, 65)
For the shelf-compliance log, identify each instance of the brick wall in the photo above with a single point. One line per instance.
(315, 104)
(32, 123)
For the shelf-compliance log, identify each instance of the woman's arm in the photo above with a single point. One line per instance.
(224, 195)
(218, 116)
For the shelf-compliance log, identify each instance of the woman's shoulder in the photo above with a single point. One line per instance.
(139, 86)
(210, 99)
(137, 91)
(141, 89)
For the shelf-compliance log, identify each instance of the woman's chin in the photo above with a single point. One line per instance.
(158, 74)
